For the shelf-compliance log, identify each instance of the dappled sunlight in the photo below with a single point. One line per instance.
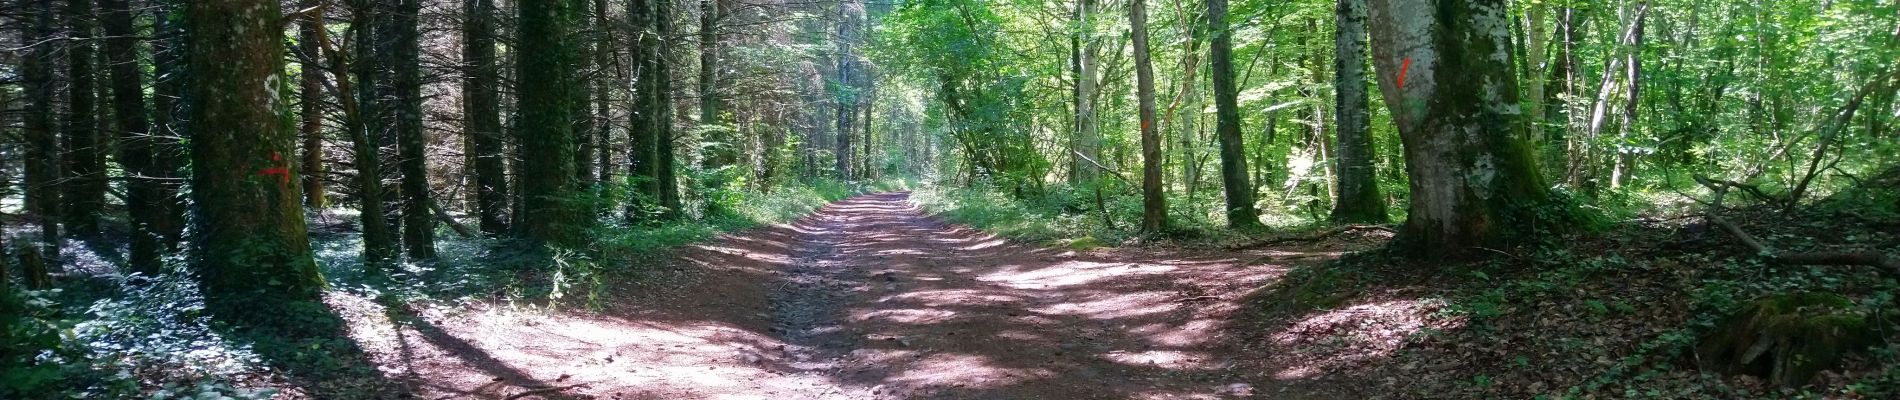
(1072, 273)
(966, 371)
(1162, 358)
(1114, 306)
(1347, 336)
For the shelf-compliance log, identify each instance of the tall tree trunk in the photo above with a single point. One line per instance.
(254, 259)
(167, 144)
(586, 46)
(1233, 150)
(1359, 199)
(603, 84)
(481, 104)
(547, 60)
(379, 244)
(1633, 80)
(847, 100)
(1154, 208)
(1536, 66)
(1473, 181)
(418, 227)
(709, 15)
(311, 107)
(146, 194)
(666, 140)
(1088, 139)
(85, 186)
(42, 136)
(647, 115)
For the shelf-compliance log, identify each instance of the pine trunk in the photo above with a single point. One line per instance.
(418, 227)
(254, 259)
(378, 242)
(546, 67)
(482, 105)
(42, 136)
(85, 178)
(311, 109)
(146, 192)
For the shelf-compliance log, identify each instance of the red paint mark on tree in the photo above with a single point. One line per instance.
(1402, 69)
(283, 173)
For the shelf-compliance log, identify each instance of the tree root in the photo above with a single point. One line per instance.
(543, 391)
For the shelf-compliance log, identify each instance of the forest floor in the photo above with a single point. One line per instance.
(868, 298)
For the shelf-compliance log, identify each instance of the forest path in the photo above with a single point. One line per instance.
(869, 298)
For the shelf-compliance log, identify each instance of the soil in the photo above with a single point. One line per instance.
(869, 298)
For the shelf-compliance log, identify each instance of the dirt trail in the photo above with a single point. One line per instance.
(871, 299)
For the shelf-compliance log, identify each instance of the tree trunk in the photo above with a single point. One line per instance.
(378, 243)
(167, 145)
(648, 113)
(665, 142)
(1358, 198)
(146, 193)
(254, 259)
(1473, 181)
(586, 46)
(1088, 138)
(311, 107)
(1633, 79)
(1154, 208)
(547, 60)
(847, 101)
(418, 226)
(1233, 151)
(42, 136)
(85, 178)
(482, 107)
(709, 86)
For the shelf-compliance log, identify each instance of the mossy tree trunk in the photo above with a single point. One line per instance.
(418, 227)
(548, 56)
(378, 243)
(1233, 150)
(253, 256)
(1358, 195)
(1473, 180)
(482, 105)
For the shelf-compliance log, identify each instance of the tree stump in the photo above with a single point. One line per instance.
(1788, 338)
(37, 278)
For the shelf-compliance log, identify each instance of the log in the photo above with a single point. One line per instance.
(460, 230)
(1315, 237)
(1881, 261)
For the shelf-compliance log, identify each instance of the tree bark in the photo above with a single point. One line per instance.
(648, 113)
(1358, 198)
(547, 60)
(85, 178)
(1473, 181)
(378, 243)
(1088, 139)
(311, 107)
(168, 150)
(1154, 209)
(146, 192)
(253, 256)
(1233, 150)
(42, 136)
(481, 104)
(418, 227)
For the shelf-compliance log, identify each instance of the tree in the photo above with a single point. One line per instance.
(1359, 199)
(1233, 156)
(481, 106)
(147, 194)
(1154, 209)
(550, 212)
(418, 227)
(1473, 180)
(253, 257)
(42, 137)
(1087, 143)
(378, 243)
(85, 178)
(311, 104)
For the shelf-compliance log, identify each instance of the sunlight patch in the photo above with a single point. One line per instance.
(968, 370)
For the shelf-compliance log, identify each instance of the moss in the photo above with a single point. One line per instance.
(1085, 243)
(1788, 338)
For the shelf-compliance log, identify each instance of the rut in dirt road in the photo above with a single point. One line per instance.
(889, 303)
